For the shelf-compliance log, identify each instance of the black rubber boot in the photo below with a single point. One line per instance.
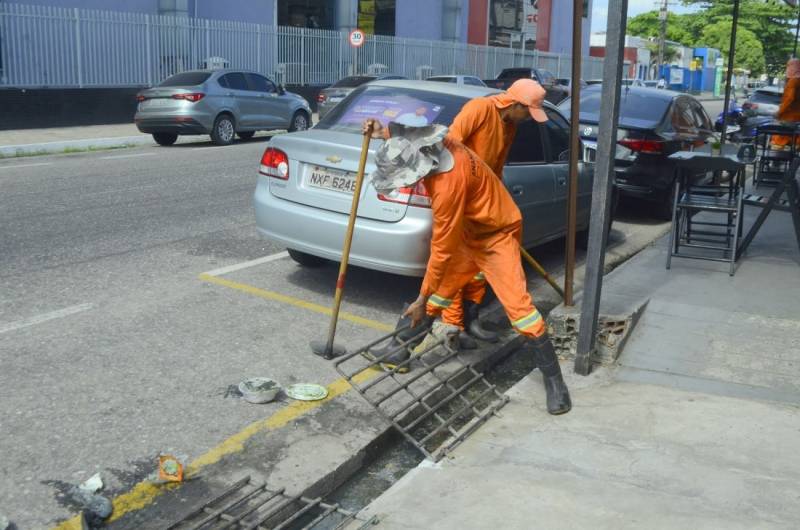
(558, 400)
(465, 342)
(401, 354)
(472, 323)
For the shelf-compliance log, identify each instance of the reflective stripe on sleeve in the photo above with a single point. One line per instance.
(528, 321)
(438, 301)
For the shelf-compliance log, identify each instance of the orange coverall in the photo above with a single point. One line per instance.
(789, 109)
(480, 127)
(476, 227)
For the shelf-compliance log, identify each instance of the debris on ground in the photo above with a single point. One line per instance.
(259, 390)
(170, 469)
(4, 522)
(307, 392)
(96, 510)
(92, 485)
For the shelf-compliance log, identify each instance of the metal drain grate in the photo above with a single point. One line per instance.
(252, 506)
(437, 404)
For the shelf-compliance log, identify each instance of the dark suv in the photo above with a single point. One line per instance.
(556, 92)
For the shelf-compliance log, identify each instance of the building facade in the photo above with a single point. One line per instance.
(545, 25)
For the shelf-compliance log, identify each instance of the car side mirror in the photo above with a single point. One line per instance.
(281, 90)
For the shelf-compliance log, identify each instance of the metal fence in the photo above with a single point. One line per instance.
(43, 46)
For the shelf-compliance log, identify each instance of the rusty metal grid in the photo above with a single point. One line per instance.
(246, 505)
(437, 404)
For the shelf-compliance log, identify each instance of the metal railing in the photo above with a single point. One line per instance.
(44, 46)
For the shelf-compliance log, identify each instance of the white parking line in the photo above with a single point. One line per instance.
(116, 157)
(247, 264)
(27, 165)
(44, 317)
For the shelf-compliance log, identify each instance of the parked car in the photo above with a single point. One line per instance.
(458, 79)
(567, 82)
(651, 83)
(594, 82)
(220, 103)
(303, 195)
(555, 92)
(331, 96)
(763, 102)
(653, 124)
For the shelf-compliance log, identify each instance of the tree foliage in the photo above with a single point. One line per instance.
(770, 23)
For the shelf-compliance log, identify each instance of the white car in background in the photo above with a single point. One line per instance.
(470, 80)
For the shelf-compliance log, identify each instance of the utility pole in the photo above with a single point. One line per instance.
(662, 34)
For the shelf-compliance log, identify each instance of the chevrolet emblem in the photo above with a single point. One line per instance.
(333, 159)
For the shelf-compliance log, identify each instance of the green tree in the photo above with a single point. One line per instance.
(749, 51)
(648, 25)
(671, 53)
(771, 21)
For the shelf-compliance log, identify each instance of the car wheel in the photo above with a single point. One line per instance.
(300, 122)
(165, 138)
(246, 135)
(224, 130)
(306, 260)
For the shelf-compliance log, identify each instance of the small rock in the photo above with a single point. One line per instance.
(93, 484)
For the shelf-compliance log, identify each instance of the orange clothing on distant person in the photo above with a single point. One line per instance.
(789, 109)
(480, 127)
(476, 227)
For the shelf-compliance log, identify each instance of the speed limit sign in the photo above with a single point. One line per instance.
(357, 38)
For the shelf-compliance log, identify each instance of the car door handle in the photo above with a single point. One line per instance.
(517, 190)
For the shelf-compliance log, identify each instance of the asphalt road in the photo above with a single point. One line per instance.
(114, 348)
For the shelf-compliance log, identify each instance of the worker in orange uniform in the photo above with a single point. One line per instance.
(790, 102)
(476, 227)
(487, 125)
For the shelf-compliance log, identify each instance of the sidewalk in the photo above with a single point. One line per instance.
(27, 142)
(697, 426)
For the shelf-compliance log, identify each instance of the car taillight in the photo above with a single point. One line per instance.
(416, 196)
(194, 97)
(643, 146)
(274, 163)
(321, 98)
(140, 98)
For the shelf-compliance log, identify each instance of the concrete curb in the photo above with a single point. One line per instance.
(10, 151)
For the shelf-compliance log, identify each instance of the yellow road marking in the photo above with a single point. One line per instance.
(271, 295)
(144, 493)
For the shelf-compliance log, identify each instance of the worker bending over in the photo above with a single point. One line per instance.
(486, 125)
(476, 227)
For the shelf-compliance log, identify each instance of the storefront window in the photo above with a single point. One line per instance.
(173, 8)
(376, 17)
(315, 14)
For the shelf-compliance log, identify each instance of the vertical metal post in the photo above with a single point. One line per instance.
(574, 148)
(302, 57)
(78, 50)
(258, 49)
(431, 61)
(796, 35)
(405, 47)
(603, 182)
(729, 76)
(662, 34)
(148, 51)
(208, 41)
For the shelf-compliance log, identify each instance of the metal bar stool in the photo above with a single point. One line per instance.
(706, 239)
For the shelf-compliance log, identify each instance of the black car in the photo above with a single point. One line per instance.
(653, 124)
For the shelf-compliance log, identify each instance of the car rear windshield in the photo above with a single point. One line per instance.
(770, 98)
(406, 106)
(635, 106)
(186, 79)
(443, 79)
(353, 81)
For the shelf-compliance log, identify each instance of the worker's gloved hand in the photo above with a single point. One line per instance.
(372, 127)
(416, 311)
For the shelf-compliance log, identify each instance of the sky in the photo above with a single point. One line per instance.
(635, 7)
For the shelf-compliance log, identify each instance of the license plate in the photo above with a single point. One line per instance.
(158, 102)
(331, 179)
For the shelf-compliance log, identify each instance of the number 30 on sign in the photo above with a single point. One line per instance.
(357, 38)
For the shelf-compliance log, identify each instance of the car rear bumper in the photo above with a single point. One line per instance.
(651, 180)
(400, 247)
(177, 124)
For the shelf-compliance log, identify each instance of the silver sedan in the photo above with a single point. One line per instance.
(306, 181)
(220, 103)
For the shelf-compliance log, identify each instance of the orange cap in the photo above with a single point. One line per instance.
(531, 94)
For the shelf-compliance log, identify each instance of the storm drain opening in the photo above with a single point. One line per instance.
(250, 506)
(438, 403)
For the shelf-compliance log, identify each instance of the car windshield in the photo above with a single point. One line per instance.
(186, 79)
(640, 108)
(770, 98)
(401, 105)
(353, 81)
